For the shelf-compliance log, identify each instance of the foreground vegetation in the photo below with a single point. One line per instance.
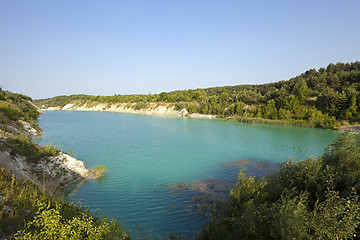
(327, 97)
(28, 213)
(313, 199)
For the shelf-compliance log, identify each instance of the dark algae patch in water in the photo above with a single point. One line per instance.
(208, 196)
(254, 167)
(241, 162)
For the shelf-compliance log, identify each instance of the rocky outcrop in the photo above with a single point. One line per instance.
(351, 128)
(50, 173)
(29, 130)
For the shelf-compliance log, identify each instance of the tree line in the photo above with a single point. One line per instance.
(327, 97)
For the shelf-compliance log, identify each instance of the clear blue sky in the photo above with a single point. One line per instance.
(103, 47)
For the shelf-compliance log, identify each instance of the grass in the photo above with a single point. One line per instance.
(98, 171)
(285, 122)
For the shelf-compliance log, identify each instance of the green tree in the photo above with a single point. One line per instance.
(270, 110)
(292, 103)
(301, 91)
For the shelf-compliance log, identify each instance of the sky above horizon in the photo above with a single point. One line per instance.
(51, 48)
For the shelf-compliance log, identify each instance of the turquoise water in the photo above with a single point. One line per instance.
(146, 154)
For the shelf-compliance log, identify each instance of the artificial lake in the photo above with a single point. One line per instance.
(151, 159)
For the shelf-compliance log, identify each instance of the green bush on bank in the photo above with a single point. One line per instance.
(23, 146)
(49, 224)
(313, 199)
(15, 107)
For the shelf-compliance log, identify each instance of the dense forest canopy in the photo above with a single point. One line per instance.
(317, 98)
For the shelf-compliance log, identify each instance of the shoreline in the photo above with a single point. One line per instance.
(350, 128)
(169, 110)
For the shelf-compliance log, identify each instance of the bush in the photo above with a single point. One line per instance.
(140, 105)
(336, 217)
(49, 224)
(10, 112)
(22, 145)
(342, 158)
(31, 214)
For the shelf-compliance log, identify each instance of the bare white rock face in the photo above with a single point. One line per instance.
(63, 166)
(51, 173)
(28, 128)
(159, 109)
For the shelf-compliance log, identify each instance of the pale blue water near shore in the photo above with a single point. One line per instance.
(146, 154)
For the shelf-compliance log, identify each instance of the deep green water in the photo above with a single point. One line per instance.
(146, 155)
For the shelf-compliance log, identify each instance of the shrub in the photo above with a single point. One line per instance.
(49, 224)
(336, 217)
(31, 214)
(22, 145)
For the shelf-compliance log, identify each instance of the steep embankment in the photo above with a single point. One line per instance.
(51, 173)
(159, 109)
(46, 166)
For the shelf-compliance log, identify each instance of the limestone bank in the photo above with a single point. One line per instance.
(158, 109)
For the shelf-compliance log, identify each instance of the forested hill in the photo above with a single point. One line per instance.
(327, 97)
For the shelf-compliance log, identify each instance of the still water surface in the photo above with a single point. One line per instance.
(145, 155)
